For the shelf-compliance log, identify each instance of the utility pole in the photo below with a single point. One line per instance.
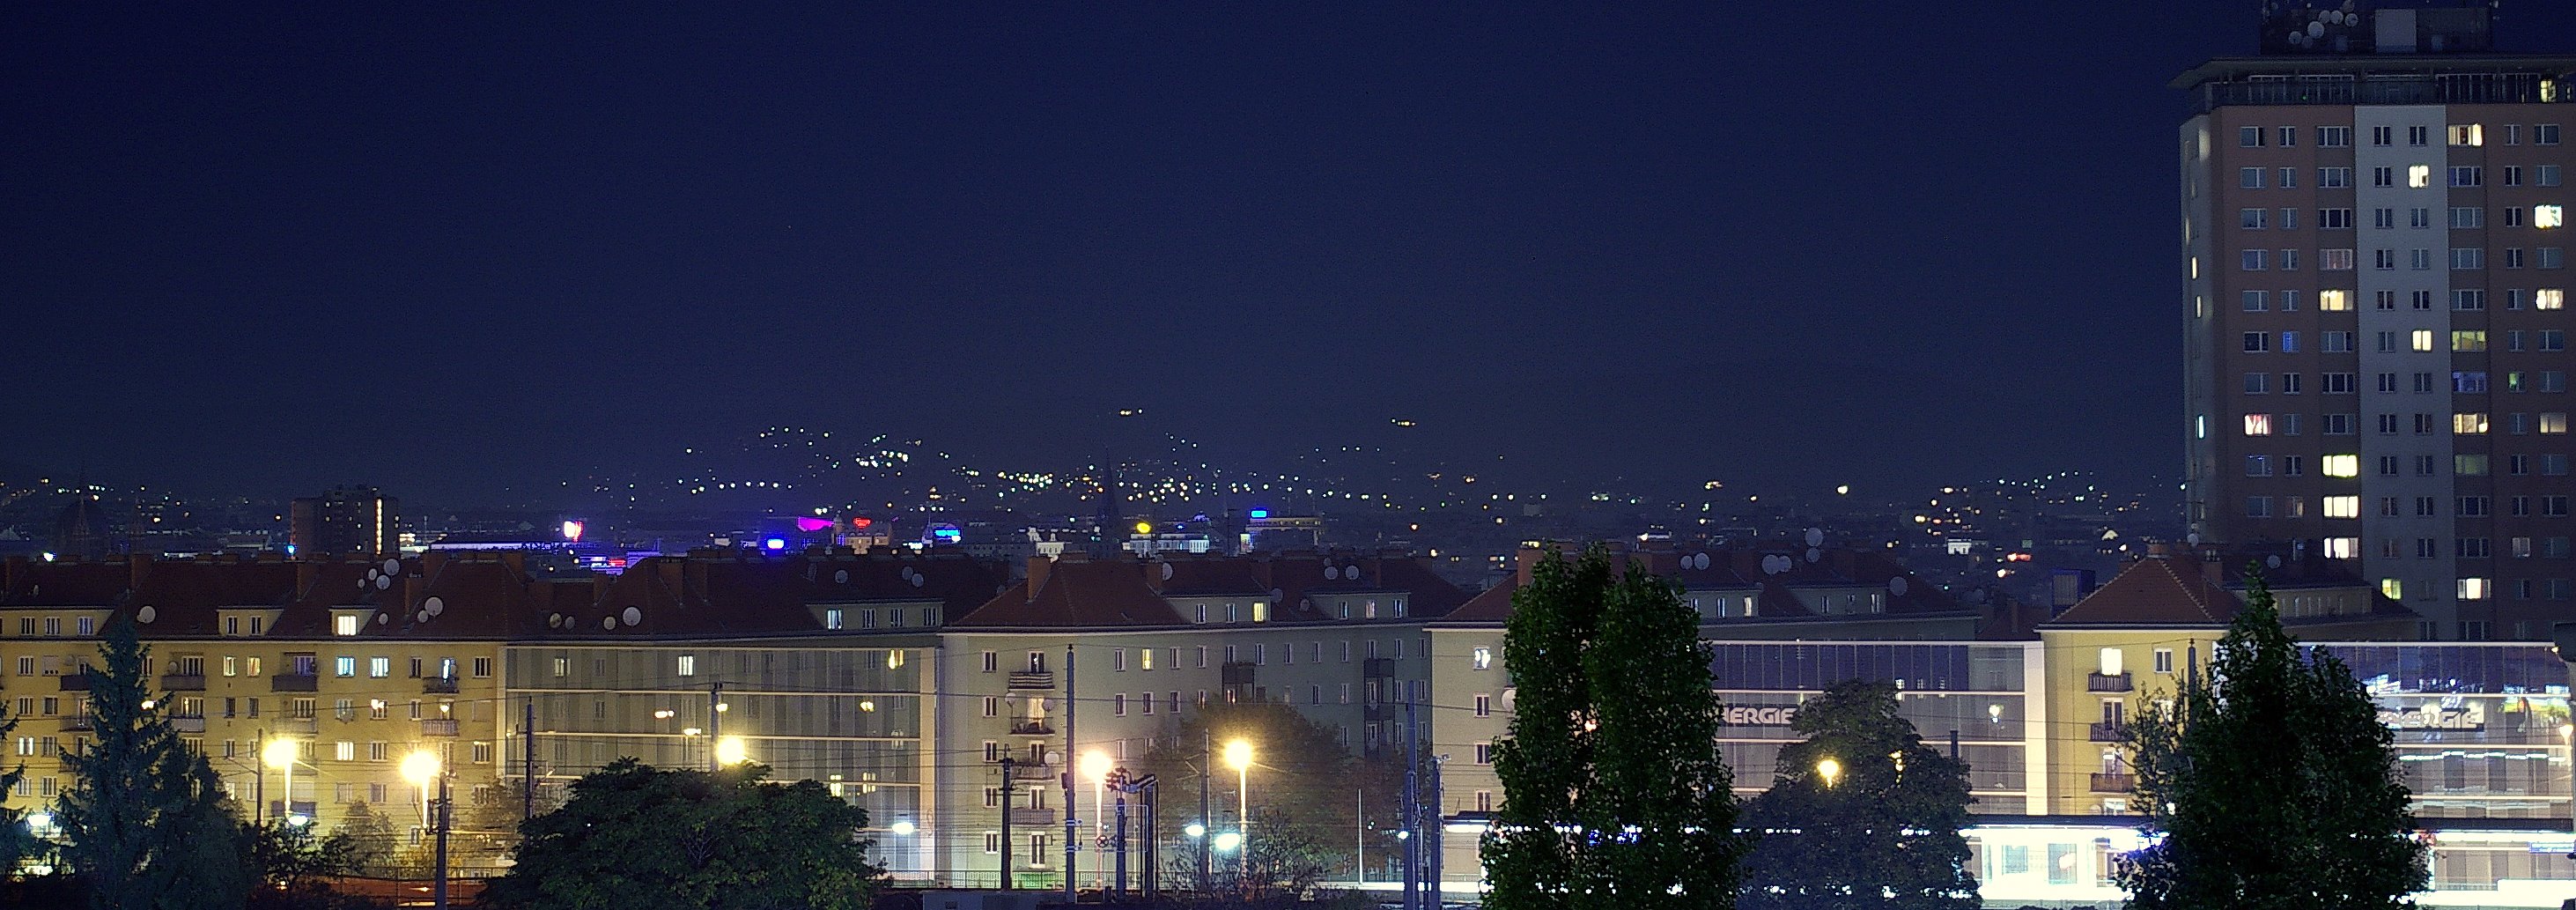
(1006, 822)
(528, 759)
(1069, 828)
(1437, 829)
(1207, 832)
(1118, 837)
(446, 805)
(1412, 812)
(1359, 836)
(715, 724)
(259, 778)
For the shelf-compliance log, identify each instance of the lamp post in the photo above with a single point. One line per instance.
(1238, 754)
(1830, 769)
(731, 750)
(1095, 765)
(422, 768)
(280, 754)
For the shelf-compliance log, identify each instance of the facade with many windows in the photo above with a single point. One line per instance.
(2374, 261)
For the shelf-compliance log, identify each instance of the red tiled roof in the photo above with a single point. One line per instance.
(2164, 589)
(1078, 595)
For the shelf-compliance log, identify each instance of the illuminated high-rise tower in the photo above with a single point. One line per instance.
(2375, 278)
(346, 521)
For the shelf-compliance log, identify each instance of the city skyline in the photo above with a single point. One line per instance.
(265, 253)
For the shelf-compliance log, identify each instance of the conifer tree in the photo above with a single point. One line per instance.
(1614, 795)
(143, 820)
(2269, 784)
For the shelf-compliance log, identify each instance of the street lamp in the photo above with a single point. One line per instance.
(421, 768)
(1238, 755)
(1830, 769)
(1096, 765)
(731, 751)
(280, 754)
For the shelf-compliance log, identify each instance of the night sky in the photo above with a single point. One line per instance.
(462, 252)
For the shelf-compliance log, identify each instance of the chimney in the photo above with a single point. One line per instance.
(136, 567)
(2159, 551)
(1526, 559)
(1038, 568)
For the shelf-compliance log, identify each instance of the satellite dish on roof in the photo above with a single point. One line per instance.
(363, 582)
(145, 615)
(393, 567)
(2272, 561)
(1275, 593)
(1815, 537)
(633, 615)
(384, 581)
(434, 606)
(422, 616)
(608, 623)
(1167, 571)
(1332, 572)
(841, 577)
(917, 579)
(1896, 586)
(383, 618)
(1699, 560)
(1814, 554)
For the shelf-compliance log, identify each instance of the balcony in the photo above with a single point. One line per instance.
(438, 685)
(438, 727)
(183, 682)
(1033, 818)
(188, 724)
(304, 725)
(1377, 668)
(1033, 728)
(2099, 682)
(1032, 679)
(1021, 771)
(2114, 783)
(295, 682)
(78, 722)
(2110, 732)
(1236, 673)
(73, 682)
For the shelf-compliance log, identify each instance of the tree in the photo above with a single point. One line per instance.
(369, 837)
(634, 837)
(2269, 784)
(143, 819)
(16, 842)
(291, 864)
(1882, 831)
(1303, 782)
(1615, 795)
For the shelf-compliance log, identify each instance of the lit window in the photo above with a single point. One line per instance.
(344, 624)
(2469, 424)
(2258, 424)
(2341, 465)
(2549, 299)
(2333, 300)
(2548, 216)
(2423, 339)
(688, 665)
(2475, 588)
(2341, 506)
(2343, 548)
(1484, 658)
(2467, 340)
(2392, 589)
(2419, 176)
(2468, 134)
(2553, 424)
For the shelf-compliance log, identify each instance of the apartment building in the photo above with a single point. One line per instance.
(357, 662)
(2374, 264)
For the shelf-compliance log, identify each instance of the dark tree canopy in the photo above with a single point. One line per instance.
(1614, 795)
(2269, 784)
(144, 822)
(1307, 792)
(634, 837)
(1882, 831)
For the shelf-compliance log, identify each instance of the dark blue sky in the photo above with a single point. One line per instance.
(452, 250)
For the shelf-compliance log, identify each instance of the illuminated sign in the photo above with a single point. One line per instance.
(1744, 716)
(572, 531)
(2437, 714)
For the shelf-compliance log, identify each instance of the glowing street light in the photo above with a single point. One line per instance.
(1096, 765)
(421, 768)
(1238, 754)
(1830, 769)
(731, 751)
(1194, 829)
(280, 754)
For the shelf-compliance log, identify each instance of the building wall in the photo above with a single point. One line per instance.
(2409, 337)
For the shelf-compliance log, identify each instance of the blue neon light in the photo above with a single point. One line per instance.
(775, 543)
(1261, 513)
